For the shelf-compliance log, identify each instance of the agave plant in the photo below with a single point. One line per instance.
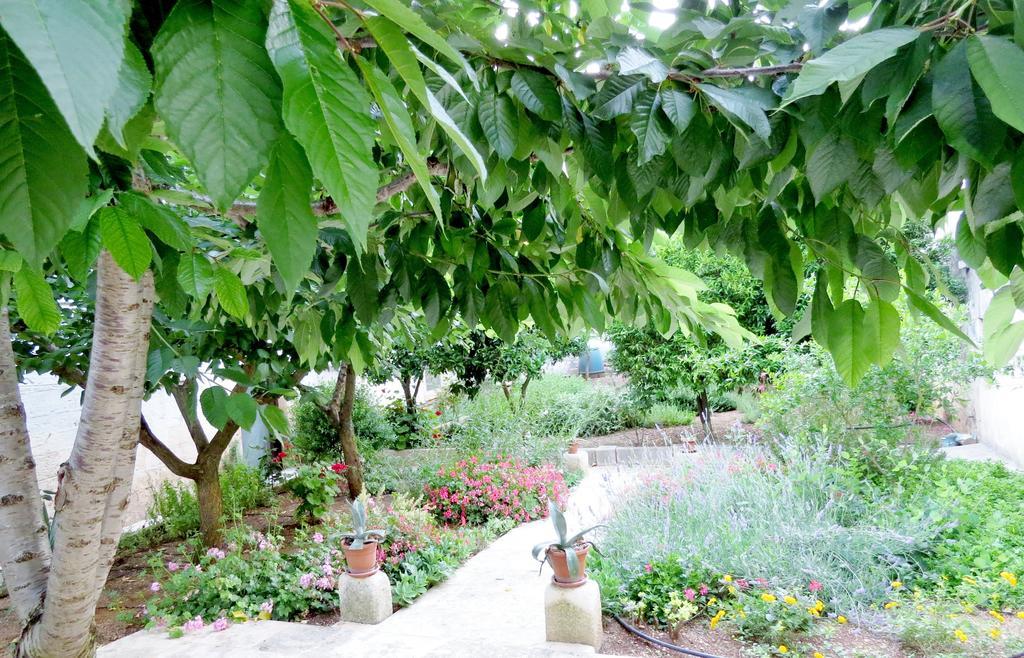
(565, 542)
(360, 535)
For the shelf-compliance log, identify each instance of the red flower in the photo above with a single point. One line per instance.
(437, 413)
(339, 467)
(278, 457)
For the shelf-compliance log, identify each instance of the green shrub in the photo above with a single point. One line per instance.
(317, 440)
(666, 415)
(747, 403)
(175, 510)
(243, 489)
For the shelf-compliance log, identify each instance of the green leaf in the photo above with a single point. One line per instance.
(410, 21)
(274, 418)
(161, 221)
(848, 341)
(43, 177)
(1001, 336)
(537, 92)
(616, 96)
(882, 331)
(922, 304)
(230, 293)
(849, 60)
(327, 110)
(650, 126)
(36, 305)
(455, 133)
(997, 64)
(391, 39)
(397, 117)
(242, 409)
(746, 108)
(307, 336)
(214, 404)
(678, 107)
(995, 196)
(962, 110)
(831, 164)
(195, 275)
(76, 48)
(283, 212)
(633, 60)
(1004, 247)
(217, 92)
(125, 240)
(821, 310)
(498, 120)
(10, 261)
(133, 85)
(970, 248)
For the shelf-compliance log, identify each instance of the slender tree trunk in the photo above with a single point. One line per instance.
(340, 413)
(704, 412)
(96, 479)
(410, 397)
(211, 502)
(24, 540)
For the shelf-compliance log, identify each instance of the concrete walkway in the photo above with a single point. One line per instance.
(492, 606)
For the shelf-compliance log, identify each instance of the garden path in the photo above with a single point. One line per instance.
(492, 606)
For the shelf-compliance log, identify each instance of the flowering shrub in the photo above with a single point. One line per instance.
(252, 578)
(316, 486)
(472, 491)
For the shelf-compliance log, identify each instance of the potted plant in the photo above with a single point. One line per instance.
(360, 545)
(574, 446)
(567, 555)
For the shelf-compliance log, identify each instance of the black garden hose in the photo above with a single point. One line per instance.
(672, 647)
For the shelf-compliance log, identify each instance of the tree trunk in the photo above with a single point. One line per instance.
(340, 413)
(211, 502)
(96, 479)
(24, 538)
(410, 397)
(704, 413)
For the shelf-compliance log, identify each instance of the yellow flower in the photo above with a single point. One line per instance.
(818, 654)
(891, 604)
(732, 590)
(727, 578)
(717, 618)
(997, 615)
(995, 633)
(768, 598)
(1020, 615)
(783, 648)
(819, 605)
(970, 581)
(1009, 577)
(841, 619)
(790, 600)
(896, 584)
(813, 612)
(960, 635)
(712, 601)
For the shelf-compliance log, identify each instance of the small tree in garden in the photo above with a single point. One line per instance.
(409, 158)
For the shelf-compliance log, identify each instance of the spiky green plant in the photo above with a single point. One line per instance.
(565, 542)
(360, 534)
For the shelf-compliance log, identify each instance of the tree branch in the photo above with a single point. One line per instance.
(185, 398)
(176, 465)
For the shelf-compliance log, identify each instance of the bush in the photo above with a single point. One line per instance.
(473, 492)
(317, 440)
(316, 486)
(666, 415)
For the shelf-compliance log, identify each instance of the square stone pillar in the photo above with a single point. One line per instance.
(365, 600)
(578, 461)
(573, 614)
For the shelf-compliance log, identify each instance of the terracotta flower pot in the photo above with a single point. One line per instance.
(361, 562)
(556, 558)
(574, 447)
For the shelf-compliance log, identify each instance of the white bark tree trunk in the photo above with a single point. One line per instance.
(24, 540)
(96, 479)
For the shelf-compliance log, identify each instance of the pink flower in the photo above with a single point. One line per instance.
(324, 583)
(194, 624)
(814, 586)
(215, 553)
(267, 607)
(155, 587)
(703, 589)
(318, 538)
(173, 566)
(689, 594)
(306, 579)
(648, 568)
(220, 625)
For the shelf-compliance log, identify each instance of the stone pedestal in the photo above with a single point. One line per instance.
(573, 615)
(365, 600)
(578, 461)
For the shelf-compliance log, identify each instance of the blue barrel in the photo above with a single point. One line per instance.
(592, 362)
